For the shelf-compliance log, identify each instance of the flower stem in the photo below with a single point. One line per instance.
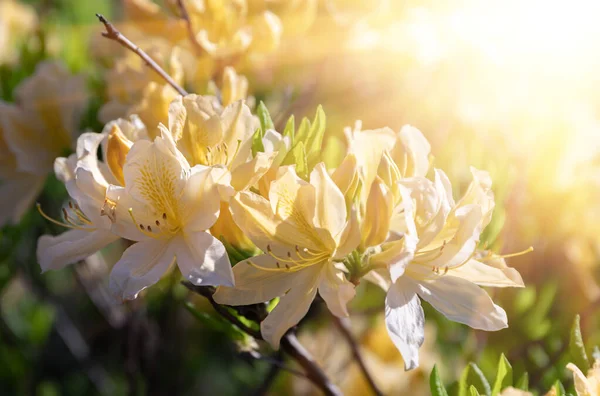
(289, 343)
(113, 34)
(343, 327)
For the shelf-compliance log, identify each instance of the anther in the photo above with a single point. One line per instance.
(157, 223)
(289, 254)
(277, 264)
(70, 204)
(149, 228)
(141, 226)
(445, 270)
(287, 266)
(164, 216)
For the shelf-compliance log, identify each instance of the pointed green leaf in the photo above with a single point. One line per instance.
(559, 389)
(265, 118)
(257, 143)
(523, 382)
(504, 376)
(302, 132)
(290, 128)
(472, 375)
(577, 348)
(435, 383)
(315, 138)
(473, 391)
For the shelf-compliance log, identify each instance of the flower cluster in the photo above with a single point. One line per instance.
(217, 181)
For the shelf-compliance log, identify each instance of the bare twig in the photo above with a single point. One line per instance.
(289, 343)
(343, 327)
(188, 22)
(113, 34)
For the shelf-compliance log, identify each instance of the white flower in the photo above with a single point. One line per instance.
(434, 257)
(86, 186)
(303, 230)
(166, 206)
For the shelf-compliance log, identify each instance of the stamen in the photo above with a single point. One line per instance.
(142, 230)
(50, 219)
(492, 256)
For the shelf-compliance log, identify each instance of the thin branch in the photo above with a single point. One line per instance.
(188, 22)
(289, 343)
(343, 327)
(113, 34)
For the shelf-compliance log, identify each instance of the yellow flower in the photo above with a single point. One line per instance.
(16, 21)
(167, 206)
(303, 231)
(134, 88)
(39, 127)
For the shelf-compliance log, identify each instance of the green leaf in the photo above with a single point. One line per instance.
(504, 376)
(523, 382)
(290, 128)
(314, 140)
(297, 156)
(473, 391)
(577, 347)
(559, 389)
(472, 375)
(265, 118)
(435, 384)
(302, 132)
(257, 143)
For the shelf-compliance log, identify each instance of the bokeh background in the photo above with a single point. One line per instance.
(511, 87)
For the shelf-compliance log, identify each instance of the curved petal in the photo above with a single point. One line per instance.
(253, 214)
(464, 302)
(154, 175)
(247, 174)
(411, 152)
(583, 387)
(56, 252)
(142, 265)
(336, 290)
(405, 321)
(292, 307)
(486, 275)
(201, 199)
(378, 215)
(254, 285)
(202, 260)
(330, 205)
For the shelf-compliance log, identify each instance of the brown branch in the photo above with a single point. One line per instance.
(188, 23)
(289, 343)
(343, 327)
(113, 34)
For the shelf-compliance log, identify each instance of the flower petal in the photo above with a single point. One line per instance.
(253, 214)
(405, 321)
(464, 302)
(486, 275)
(142, 265)
(336, 290)
(56, 252)
(254, 285)
(201, 199)
(292, 307)
(330, 205)
(378, 215)
(247, 174)
(202, 260)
